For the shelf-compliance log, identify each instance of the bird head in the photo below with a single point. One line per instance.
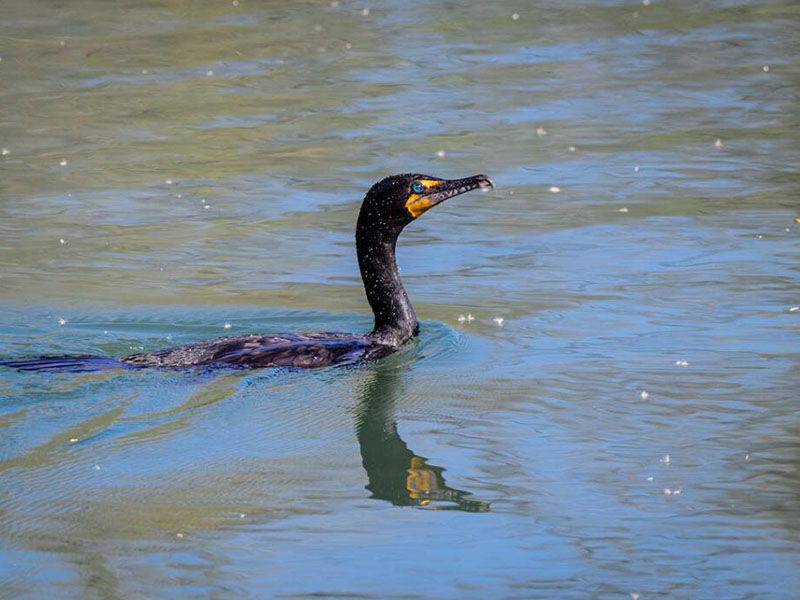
(395, 201)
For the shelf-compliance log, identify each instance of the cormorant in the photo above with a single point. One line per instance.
(388, 207)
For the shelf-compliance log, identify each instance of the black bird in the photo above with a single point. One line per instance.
(388, 207)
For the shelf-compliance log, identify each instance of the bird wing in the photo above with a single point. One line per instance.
(254, 351)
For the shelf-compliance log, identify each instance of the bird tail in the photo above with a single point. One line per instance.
(69, 364)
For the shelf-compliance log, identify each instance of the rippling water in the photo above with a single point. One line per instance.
(630, 427)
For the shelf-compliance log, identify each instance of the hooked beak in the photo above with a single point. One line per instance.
(438, 190)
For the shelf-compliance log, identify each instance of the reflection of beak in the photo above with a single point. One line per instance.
(439, 190)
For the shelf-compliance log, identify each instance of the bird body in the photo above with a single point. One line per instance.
(388, 207)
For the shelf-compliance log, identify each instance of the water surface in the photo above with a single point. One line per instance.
(629, 427)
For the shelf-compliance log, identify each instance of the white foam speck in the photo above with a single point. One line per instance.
(499, 321)
(765, 68)
(541, 131)
(5, 152)
(63, 162)
(441, 153)
(718, 144)
(645, 395)
(624, 209)
(555, 189)
(515, 16)
(62, 321)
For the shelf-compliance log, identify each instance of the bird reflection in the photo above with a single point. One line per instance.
(396, 473)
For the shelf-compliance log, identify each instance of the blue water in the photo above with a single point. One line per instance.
(602, 402)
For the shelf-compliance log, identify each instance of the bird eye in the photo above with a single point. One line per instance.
(417, 187)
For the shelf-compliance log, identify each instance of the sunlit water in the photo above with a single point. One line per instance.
(629, 427)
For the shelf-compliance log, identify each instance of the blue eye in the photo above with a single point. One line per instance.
(417, 187)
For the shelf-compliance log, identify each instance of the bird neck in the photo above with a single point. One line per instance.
(395, 321)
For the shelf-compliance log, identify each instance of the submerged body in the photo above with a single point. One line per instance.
(388, 207)
(306, 350)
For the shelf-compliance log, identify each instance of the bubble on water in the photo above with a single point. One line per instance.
(682, 363)
(179, 196)
(63, 162)
(555, 189)
(179, 535)
(747, 456)
(665, 460)
(441, 153)
(624, 209)
(541, 131)
(62, 321)
(5, 152)
(636, 169)
(765, 68)
(209, 73)
(207, 206)
(145, 72)
(96, 467)
(242, 515)
(650, 478)
(168, 181)
(62, 43)
(499, 321)
(515, 17)
(364, 12)
(718, 144)
(348, 46)
(572, 148)
(644, 395)
(62, 241)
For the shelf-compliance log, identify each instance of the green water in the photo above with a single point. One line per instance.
(629, 427)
